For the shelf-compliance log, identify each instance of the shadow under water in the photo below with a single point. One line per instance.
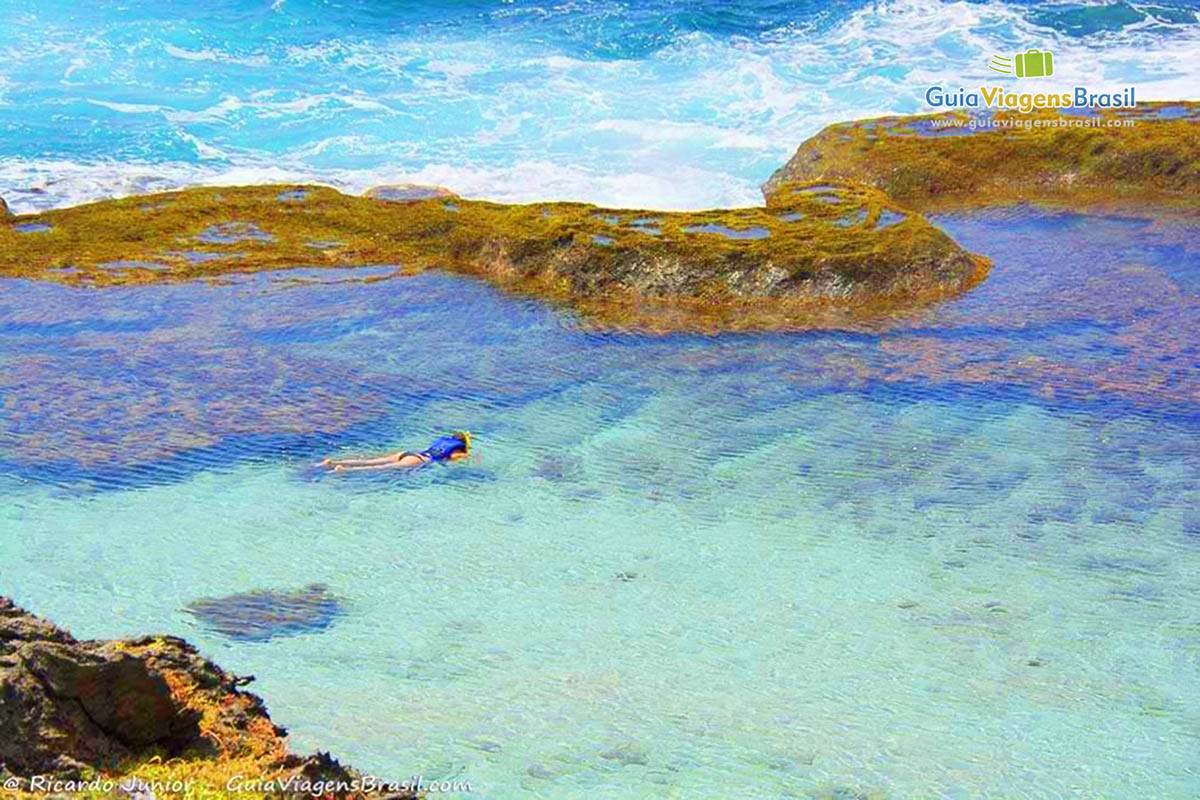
(259, 615)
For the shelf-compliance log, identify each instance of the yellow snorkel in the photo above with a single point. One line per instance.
(466, 439)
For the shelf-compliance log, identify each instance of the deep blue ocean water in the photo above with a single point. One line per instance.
(659, 104)
(952, 554)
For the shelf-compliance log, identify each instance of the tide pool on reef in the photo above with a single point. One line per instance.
(950, 555)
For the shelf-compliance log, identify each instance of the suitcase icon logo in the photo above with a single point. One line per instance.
(1030, 64)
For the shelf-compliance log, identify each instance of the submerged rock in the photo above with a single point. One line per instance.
(626, 754)
(843, 793)
(559, 469)
(1191, 525)
(1145, 155)
(265, 613)
(4, 212)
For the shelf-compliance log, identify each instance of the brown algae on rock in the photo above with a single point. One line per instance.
(812, 257)
(141, 713)
(1146, 156)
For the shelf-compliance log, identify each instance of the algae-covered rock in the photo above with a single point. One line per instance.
(149, 707)
(814, 256)
(1141, 156)
(67, 704)
(4, 212)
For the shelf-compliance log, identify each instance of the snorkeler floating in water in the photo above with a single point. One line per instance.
(454, 447)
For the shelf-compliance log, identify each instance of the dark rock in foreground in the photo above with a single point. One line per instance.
(69, 703)
(265, 613)
(78, 710)
(4, 212)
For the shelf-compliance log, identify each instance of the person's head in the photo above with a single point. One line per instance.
(456, 445)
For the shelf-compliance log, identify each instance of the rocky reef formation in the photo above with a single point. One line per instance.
(816, 255)
(1145, 156)
(4, 212)
(138, 711)
(836, 242)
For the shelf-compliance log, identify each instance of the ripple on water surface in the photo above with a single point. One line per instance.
(949, 555)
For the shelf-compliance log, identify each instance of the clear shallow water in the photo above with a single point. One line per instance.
(659, 103)
(950, 556)
(954, 555)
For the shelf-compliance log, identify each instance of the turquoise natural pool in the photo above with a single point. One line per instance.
(951, 556)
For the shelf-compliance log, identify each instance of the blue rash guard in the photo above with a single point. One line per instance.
(443, 448)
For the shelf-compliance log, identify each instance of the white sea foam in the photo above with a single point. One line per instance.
(686, 187)
(266, 104)
(697, 124)
(216, 55)
(660, 130)
(128, 108)
(203, 151)
(32, 186)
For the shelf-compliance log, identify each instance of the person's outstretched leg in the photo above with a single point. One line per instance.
(405, 460)
(363, 462)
